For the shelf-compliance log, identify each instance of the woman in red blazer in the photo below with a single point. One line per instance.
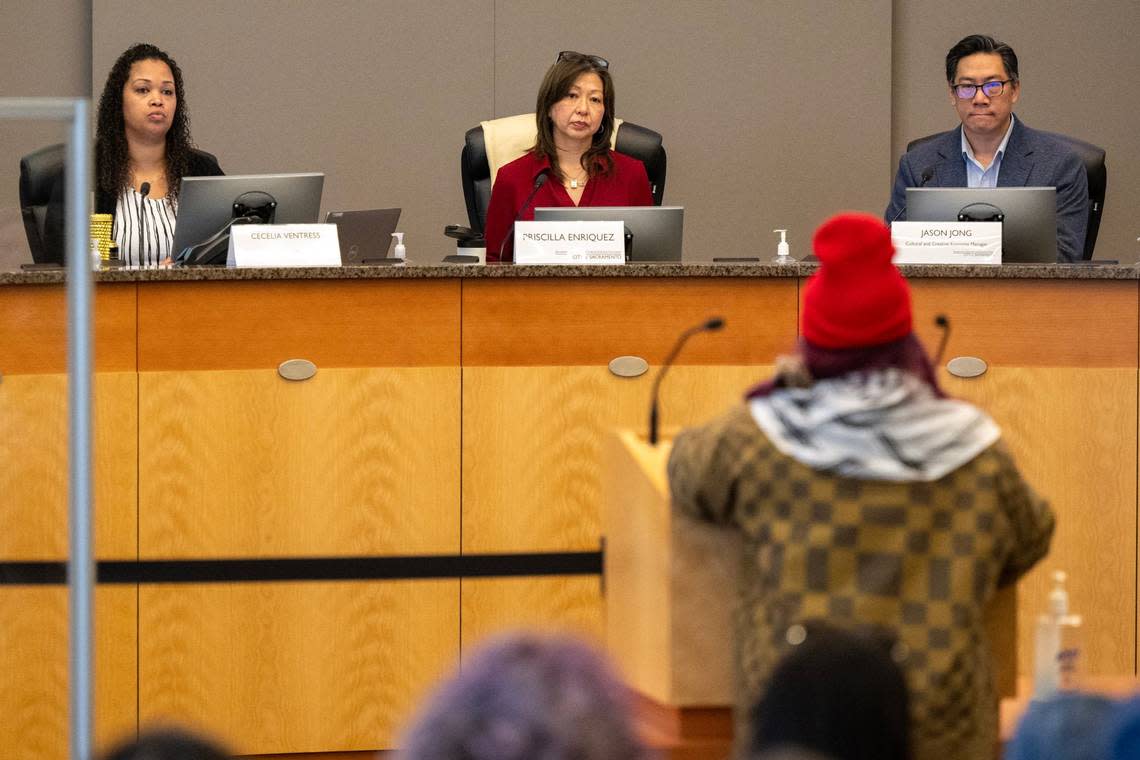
(575, 115)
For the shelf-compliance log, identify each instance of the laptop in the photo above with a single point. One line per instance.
(657, 230)
(1029, 227)
(365, 236)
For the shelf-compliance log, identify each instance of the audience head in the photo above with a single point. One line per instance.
(856, 307)
(143, 99)
(527, 697)
(1124, 743)
(837, 693)
(790, 752)
(574, 76)
(1069, 726)
(858, 298)
(167, 744)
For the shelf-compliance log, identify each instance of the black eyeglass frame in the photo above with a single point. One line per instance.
(973, 88)
(597, 60)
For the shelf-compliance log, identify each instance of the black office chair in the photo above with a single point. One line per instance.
(39, 172)
(1093, 159)
(632, 140)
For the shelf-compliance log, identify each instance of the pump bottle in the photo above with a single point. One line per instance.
(783, 252)
(1058, 655)
(399, 252)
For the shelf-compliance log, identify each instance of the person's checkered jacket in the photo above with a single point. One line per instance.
(921, 559)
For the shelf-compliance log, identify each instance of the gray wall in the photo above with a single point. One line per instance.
(54, 61)
(774, 114)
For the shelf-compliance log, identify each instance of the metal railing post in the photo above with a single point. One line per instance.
(81, 568)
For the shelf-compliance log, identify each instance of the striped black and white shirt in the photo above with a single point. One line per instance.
(150, 242)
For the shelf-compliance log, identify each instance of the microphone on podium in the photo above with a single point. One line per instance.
(539, 181)
(144, 191)
(709, 325)
(927, 175)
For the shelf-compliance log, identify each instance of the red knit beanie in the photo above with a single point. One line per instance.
(858, 297)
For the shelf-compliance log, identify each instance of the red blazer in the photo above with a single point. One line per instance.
(627, 185)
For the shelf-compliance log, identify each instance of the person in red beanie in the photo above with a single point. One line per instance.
(865, 496)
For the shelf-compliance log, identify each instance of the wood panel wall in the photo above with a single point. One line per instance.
(452, 418)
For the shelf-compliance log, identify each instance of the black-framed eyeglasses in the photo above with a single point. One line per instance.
(989, 89)
(597, 60)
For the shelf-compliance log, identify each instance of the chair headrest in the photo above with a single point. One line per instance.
(508, 138)
(39, 171)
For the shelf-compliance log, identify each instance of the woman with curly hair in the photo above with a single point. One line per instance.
(142, 151)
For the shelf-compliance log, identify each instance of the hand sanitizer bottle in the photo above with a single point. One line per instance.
(1057, 659)
(399, 252)
(783, 252)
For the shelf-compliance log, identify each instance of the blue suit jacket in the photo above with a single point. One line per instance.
(1032, 159)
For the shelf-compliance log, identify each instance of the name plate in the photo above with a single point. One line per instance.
(947, 242)
(569, 243)
(283, 245)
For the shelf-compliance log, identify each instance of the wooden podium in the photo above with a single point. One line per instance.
(670, 588)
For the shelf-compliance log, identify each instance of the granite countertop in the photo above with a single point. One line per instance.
(415, 270)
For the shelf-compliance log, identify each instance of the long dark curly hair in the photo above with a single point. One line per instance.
(112, 160)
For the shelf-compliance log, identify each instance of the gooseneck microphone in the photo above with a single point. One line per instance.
(943, 322)
(709, 325)
(144, 191)
(539, 181)
(926, 176)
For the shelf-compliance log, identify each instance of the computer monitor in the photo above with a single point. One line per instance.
(1029, 226)
(657, 230)
(207, 204)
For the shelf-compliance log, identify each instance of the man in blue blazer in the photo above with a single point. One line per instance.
(992, 147)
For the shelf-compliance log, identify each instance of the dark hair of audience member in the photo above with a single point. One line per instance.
(167, 744)
(791, 752)
(527, 697)
(837, 693)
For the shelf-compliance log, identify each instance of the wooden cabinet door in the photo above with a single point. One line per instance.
(539, 399)
(1062, 384)
(34, 514)
(361, 459)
